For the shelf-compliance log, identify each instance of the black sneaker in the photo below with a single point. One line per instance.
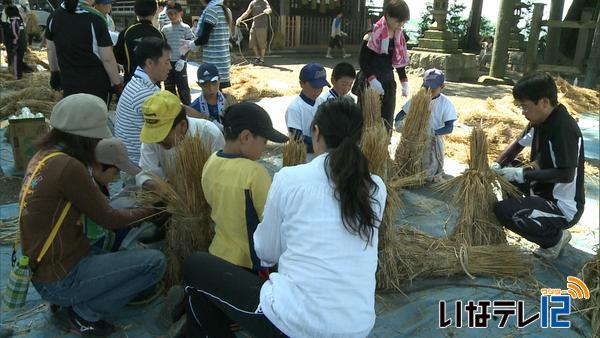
(70, 321)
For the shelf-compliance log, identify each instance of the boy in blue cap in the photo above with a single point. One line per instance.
(443, 115)
(301, 110)
(212, 102)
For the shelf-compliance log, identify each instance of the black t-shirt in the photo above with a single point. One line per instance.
(77, 38)
(557, 143)
(128, 40)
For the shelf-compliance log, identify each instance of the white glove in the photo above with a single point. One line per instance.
(495, 167)
(405, 88)
(191, 45)
(513, 174)
(377, 86)
(268, 11)
(179, 65)
(238, 21)
(344, 33)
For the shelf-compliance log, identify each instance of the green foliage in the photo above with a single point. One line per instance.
(426, 19)
(455, 21)
(486, 28)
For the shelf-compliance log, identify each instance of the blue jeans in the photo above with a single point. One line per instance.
(102, 283)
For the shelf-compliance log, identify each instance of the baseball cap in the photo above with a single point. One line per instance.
(207, 73)
(174, 6)
(433, 78)
(314, 74)
(81, 114)
(104, 2)
(160, 110)
(248, 115)
(112, 151)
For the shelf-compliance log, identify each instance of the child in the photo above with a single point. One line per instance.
(336, 39)
(342, 79)
(443, 115)
(175, 33)
(17, 39)
(111, 157)
(212, 102)
(301, 110)
(236, 186)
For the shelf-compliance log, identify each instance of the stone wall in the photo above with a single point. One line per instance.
(456, 67)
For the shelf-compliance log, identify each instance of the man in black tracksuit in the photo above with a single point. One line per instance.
(131, 36)
(555, 180)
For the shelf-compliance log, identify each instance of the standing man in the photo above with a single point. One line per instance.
(336, 38)
(554, 182)
(163, 18)
(105, 7)
(259, 9)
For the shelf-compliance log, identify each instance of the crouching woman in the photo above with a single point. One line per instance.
(85, 283)
(320, 227)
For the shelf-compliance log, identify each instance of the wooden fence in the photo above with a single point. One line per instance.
(315, 30)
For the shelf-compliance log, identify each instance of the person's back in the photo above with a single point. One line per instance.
(216, 50)
(130, 37)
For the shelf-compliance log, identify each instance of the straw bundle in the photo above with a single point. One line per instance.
(189, 229)
(247, 87)
(591, 277)
(418, 255)
(44, 101)
(474, 192)
(375, 137)
(28, 80)
(294, 153)
(416, 134)
(371, 106)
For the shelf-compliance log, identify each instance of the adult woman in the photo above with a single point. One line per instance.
(213, 35)
(87, 284)
(318, 217)
(80, 52)
(382, 51)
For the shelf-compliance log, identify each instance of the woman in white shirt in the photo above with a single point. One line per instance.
(320, 227)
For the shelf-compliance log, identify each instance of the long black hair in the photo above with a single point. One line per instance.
(80, 147)
(340, 123)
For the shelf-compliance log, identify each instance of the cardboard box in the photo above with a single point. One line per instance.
(23, 133)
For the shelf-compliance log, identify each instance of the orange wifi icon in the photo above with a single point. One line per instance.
(577, 288)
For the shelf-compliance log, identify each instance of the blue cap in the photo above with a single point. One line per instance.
(104, 2)
(433, 78)
(207, 73)
(314, 74)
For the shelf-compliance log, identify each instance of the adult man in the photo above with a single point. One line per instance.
(153, 55)
(130, 37)
(165, 125)
(555, 180)
(259, 9)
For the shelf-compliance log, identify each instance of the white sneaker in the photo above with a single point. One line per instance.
(347, 56)
(328, 56)
(554, 252)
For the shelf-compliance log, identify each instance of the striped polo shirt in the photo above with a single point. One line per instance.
(216, 50)
(129, 117)
(174, 34)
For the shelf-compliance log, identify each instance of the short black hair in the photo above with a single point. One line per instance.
(150, 48)
(343, 69)
(535, 86)
(12, 11)
(180, 117)
(145, 8)
(397, 9)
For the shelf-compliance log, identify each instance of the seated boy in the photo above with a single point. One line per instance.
(111, 157)
(301, 110)
(236, 186)
(443, 115)
(165, 125)
(342, 78)
(212, 102)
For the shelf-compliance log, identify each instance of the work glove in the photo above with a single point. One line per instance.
(179, 65)
(377, 86)
(238, 21)
(191, 45)
(268, 11)
(55, 80)
(512, 174)
(405, 88)
(495, 167)
(344, 34)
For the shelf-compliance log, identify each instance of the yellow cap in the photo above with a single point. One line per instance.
(160, 110)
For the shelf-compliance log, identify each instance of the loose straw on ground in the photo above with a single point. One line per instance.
(474, 192)
(294, 153)
(418, 255)
(591, 278)
(189, 229)
(38, 98)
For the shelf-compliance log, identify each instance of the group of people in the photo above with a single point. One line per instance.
(277, 265)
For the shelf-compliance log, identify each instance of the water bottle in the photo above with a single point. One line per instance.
(15, 294)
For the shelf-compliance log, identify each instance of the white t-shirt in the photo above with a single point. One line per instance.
(299, 115)
(442, 110)
(325, 283)
(154, 157)
(330, 95)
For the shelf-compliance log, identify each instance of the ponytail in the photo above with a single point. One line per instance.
(340, 122)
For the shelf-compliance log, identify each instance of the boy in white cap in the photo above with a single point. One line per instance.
(443, 115)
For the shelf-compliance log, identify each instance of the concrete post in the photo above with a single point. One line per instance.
(502, 39)
(534, 36)
(553, 38)
(592, 73)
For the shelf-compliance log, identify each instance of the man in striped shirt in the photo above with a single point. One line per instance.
(153, 56)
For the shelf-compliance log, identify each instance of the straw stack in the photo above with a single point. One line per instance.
(45, 98)
(474, 193)
(591, 278)
(189, 229)
(294, 153)
(416, 135)
(418, 255)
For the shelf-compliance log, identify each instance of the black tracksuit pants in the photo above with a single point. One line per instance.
(177, 83)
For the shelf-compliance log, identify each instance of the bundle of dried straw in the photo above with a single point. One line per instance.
(418, 255)
(189, 228)
(591, 278)
(294, 153)
(44, 101)
(475, 193)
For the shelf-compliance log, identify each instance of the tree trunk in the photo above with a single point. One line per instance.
(553, 38)
(502, 39)
(593, 63)
(473, 43)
